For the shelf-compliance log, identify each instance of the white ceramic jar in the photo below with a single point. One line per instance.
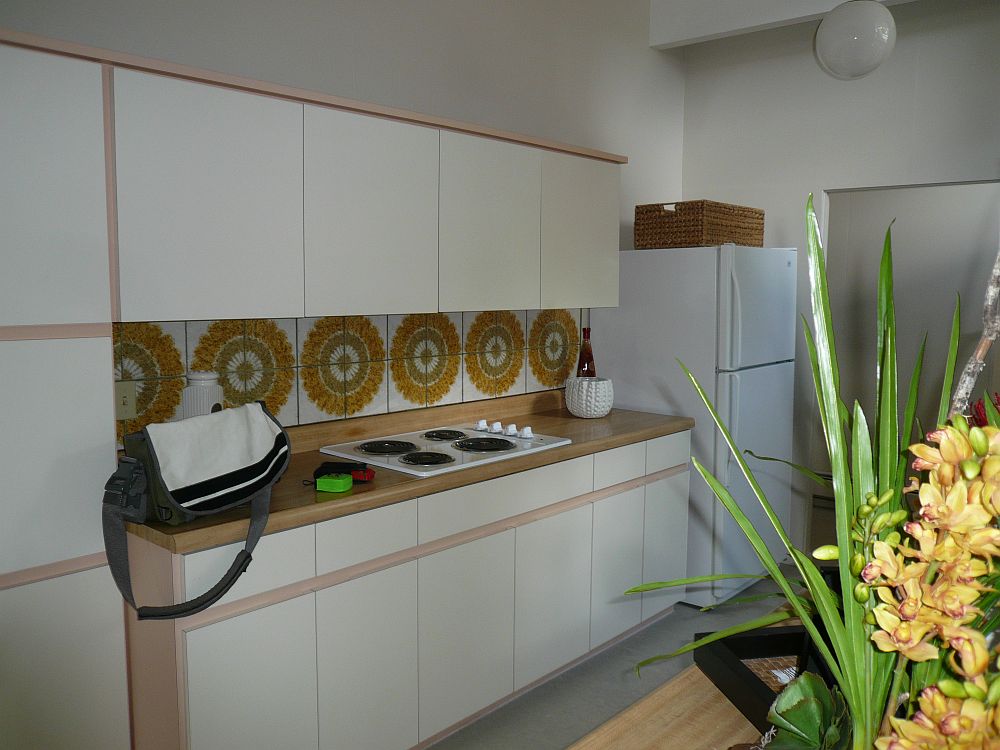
(203, 394)
(589, 397)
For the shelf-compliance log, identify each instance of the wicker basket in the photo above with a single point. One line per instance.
(697, 224)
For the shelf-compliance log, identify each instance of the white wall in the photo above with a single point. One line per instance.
(578, 71)
(764, 126)
(945, 241)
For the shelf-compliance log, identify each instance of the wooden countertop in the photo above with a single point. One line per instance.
(688, 711)
(294, 504)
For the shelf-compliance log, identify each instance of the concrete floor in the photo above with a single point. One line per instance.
(558, 713)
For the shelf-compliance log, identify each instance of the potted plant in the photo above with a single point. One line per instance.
(905, 634)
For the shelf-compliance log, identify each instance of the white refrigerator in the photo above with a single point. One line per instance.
(728, 313)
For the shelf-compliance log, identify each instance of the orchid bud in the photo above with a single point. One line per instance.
(862, 593)
(893, 538)
(898, 516)
(872, 499)
(826, 552)
(993, 694)
(960, 423)
(970, 468)
(858, 563)
(857, 537)
(870, 617)
(865, 510)
(974, 691)
(952, 688)
(885, 497)
(980, 443)
(880, 522)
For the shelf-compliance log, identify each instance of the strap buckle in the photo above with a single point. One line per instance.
(126, 487)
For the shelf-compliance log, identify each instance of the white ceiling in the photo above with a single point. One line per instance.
(674, 23)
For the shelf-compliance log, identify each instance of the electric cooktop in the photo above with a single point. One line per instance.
(426, 453)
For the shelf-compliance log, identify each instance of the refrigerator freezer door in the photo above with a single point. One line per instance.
(756, 306)
(757, 407)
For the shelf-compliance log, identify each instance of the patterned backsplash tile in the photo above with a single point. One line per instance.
(318, 369)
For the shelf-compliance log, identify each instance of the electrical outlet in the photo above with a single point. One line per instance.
(125, 399)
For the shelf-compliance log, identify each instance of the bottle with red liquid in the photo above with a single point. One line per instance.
(585, 365)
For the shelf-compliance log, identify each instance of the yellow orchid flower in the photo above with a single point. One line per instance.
(982, 542)
(904, 637)
(969, 646)
(964, 571)
(912, 599)
(927, 458)
(942, 723)
(954, 511)
(952, 599)
(954, 446)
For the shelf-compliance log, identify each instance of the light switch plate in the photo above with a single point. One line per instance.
(125, 394)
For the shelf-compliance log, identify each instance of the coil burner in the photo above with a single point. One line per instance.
(484, 445)
(444, 435)
(386, 447)
(426, 458)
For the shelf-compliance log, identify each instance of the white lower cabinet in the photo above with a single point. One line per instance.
(252, 680)
(551, 593)
(465, 630)
(618, 523)
(664, 546)
(63, 683)
(367, 656)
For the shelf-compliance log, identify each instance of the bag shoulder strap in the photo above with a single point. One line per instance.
(125, 499)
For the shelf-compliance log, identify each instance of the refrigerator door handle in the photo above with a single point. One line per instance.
(734, 416)
(736, 322)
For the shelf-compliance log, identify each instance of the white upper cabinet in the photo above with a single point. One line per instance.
(490, 224)
(209, 184)
(53, 199)
(371, 215)
(579, 232)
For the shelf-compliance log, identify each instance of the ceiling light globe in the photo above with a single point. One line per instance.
(854, 39)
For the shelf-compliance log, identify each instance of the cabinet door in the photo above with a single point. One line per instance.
(371, 215)
(552, 593)
(62, 657)
(664, 546)
(252, 680)
(465, 630)
(464, 508)
(57, 448)
(367, 657)
(579, 232)
(209, 201)
(489, 252)
(617, 565)
(53, 200)
(278, 560)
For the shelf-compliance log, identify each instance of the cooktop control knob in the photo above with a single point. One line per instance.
(511, 430)
(481, 425)
(525, 433)
(496, 427)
